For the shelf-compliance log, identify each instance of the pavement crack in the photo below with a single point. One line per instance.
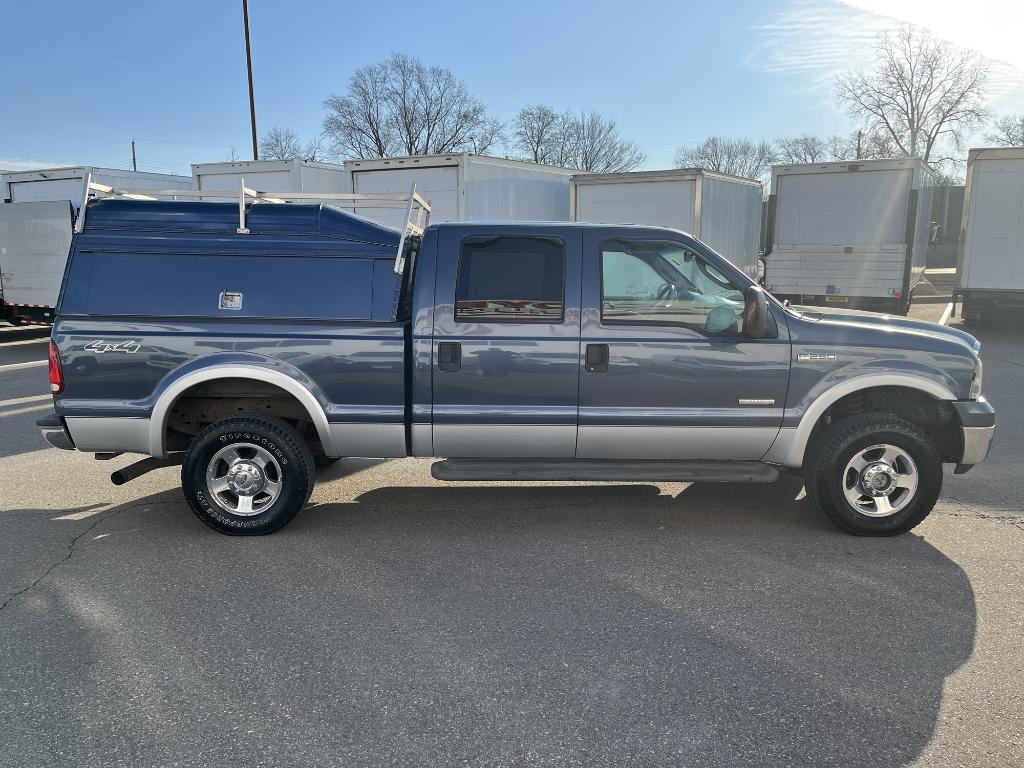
(73, 544)
(1004, 360)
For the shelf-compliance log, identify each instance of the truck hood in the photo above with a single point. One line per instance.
(857, 318)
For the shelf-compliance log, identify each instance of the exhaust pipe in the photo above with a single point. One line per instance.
(139, 468)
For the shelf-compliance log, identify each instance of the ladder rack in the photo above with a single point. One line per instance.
(417, 209)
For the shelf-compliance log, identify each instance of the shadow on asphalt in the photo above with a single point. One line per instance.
(591, 625)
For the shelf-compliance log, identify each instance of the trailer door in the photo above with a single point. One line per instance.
(34, 243)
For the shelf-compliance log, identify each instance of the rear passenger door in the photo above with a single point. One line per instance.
(506, 342)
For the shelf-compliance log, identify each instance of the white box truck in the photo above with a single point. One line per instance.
(36, 220)
(307, 176)
(853, 234)
(721, 210)
(464, 187)
(991, 258)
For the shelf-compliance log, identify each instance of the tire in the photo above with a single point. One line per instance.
(323, 462)
(247, 475)
(850, 455)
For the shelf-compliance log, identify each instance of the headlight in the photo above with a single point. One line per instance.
(976, 381)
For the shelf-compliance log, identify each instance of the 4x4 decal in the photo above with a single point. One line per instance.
(99, 346)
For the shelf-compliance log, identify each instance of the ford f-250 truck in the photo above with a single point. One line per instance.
(254, 354)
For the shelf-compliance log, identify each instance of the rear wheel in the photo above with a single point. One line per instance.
(247, 475)
(874, 474)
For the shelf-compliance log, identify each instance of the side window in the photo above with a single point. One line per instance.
(510, 279)
(645, 282)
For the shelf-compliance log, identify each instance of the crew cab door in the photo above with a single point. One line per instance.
(667, 373)
(505, 357)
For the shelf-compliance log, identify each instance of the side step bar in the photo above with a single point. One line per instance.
(600, 469)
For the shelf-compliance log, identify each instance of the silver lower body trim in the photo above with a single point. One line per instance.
(977, 444)
(103, 434)
(727, 443)
(378, 441)
(538, 441)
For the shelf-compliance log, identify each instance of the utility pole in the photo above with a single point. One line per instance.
(252, 96)
(135, 166)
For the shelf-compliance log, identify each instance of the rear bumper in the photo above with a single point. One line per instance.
(977, 428)
(52, 428)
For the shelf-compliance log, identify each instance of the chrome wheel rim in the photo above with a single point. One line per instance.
(244, 479)
(880, 480)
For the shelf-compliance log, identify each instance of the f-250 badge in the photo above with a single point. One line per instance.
(99, 346)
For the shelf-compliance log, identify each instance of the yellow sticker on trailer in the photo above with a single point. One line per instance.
(837, 299)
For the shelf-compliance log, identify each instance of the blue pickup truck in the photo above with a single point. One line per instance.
(530, 351)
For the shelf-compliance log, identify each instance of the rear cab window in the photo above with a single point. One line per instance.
(511, 279)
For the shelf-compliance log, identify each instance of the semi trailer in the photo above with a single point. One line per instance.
(991, 259)
(723, 211)
(464, 187)
(851, 234)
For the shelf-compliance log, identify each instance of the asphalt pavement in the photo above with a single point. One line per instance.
(401, 621)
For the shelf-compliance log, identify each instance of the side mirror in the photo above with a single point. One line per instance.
(755, 313)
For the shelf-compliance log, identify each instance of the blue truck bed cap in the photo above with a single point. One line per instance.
(261, 218)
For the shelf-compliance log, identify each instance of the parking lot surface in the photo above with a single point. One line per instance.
(401, 621)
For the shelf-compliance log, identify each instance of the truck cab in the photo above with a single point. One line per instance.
(527, 351)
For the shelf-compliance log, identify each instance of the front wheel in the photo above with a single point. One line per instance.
(247, 475)
(874, 475)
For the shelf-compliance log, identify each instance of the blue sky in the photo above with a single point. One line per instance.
(82, 79)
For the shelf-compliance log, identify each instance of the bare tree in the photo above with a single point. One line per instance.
(868, 145)
(403, 107)
(588, 141)
(539, 135)
(739, 157)
(806, 148)
(922, 94)
(597, 146)
(1007, 131)
(284, 144)
(280, 144)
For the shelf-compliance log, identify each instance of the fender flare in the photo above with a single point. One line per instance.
(790, 445)
(158, 420)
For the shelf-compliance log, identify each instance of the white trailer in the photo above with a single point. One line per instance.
(991, 258)
(853, 234)
(464, 187)
(721, 210)
(36, 220)
(299, 176)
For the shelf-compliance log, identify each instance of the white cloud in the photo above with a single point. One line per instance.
(819, 40)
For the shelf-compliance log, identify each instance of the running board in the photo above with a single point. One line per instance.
(600, 469)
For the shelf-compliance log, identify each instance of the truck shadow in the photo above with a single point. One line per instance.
(607, 625)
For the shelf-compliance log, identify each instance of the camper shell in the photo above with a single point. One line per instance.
(724, 211)
(850, 234)
(991, 258)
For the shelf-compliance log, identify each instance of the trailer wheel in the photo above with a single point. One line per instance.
(247, 475)
(874, 474)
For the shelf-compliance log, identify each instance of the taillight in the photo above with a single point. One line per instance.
(56, 374)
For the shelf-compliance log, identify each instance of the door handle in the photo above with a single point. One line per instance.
(596, 358)
(449, 356)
